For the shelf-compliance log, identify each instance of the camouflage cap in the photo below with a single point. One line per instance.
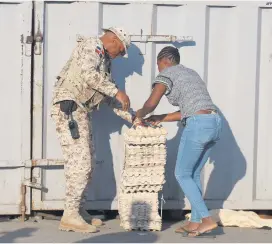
(122, 35)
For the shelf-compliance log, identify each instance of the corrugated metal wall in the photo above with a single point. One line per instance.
(15, 76)
(232, 52)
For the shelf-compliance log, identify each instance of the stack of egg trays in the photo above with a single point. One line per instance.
(142, 178)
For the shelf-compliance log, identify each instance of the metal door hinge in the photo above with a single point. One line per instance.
(28, 45)
(35, 40)
(38, 42)
(29, 39)
(33, 184)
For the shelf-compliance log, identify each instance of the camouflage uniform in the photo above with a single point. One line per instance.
(86, 80)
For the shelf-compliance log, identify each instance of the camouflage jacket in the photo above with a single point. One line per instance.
(86, 77)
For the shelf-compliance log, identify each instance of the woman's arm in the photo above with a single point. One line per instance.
(176, 116)
(153, 101)
(157, 119)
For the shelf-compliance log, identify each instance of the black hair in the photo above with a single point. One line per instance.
(170, 53)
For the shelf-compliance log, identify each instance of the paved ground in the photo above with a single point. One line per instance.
(47, 231)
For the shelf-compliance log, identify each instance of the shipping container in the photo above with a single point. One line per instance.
(228, 43)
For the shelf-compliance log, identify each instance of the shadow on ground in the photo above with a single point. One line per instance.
(122, 237)
(11, 236)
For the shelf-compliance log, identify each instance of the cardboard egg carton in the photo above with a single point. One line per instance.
(139, 211)
(142, 225)
(145, 135)
(146, 150)
(141, 188)
(147, 160)
(143, 176)
(145, 147)
(144, 163)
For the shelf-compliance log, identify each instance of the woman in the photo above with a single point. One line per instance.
(184, 88)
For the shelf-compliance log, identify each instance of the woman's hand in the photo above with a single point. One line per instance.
(137, 122)
(138, 114)
(155, 119)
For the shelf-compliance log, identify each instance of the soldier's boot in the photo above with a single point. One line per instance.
(72, 221)
(89, 219)
(83, 212)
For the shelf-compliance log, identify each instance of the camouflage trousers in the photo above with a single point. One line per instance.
(77, 154)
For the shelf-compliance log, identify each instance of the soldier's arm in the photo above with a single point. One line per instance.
(117, 109)
(89, 59)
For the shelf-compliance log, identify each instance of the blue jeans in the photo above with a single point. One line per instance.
(198, 138)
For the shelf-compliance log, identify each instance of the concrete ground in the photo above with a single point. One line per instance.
(47, 231)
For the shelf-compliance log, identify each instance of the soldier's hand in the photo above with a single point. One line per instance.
(123, 99)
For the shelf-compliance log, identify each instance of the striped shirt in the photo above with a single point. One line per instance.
(185, 89)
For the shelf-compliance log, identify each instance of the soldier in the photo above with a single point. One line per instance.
(83, 84)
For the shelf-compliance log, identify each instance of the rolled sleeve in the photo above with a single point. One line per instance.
(165, 81)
